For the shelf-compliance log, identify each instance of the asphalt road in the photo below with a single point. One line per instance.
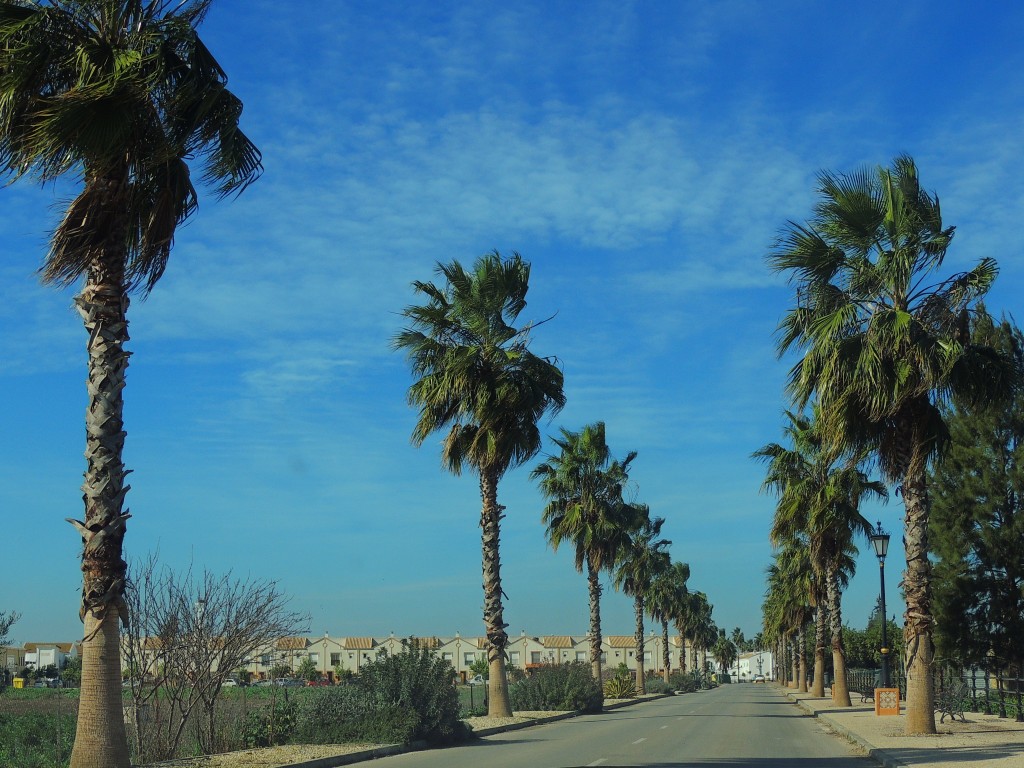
(734, 726)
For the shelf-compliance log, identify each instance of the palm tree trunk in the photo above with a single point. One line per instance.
(820, 630)
(594, 585)
(638, 606)
(666, 656)
(794, 681)
(100, 738)
(917, 621)
(802, 656)
(840, 688)
(498, 704)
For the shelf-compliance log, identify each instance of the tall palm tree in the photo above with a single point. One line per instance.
(701, 629)
(788, 601)
(476, 376)
(639, 561)
(885, 342)
(666, 602)
(819, 497)
(583, 485)
(123, 95)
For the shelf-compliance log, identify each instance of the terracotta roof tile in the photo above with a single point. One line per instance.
(359, 643)
(558, 641)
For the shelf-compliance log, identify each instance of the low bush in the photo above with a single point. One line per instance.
(331, 715)
(414, 681)
(270, 725)
(35, 740)
(558, 687)
(620, 687)
(658, 685)
(684, 682)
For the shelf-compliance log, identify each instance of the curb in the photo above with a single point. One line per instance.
(358, 757)
(880, 756)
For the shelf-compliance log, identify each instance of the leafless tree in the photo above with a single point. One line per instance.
(190, 633)
(6, 622)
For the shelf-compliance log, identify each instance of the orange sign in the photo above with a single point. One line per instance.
(887, 701)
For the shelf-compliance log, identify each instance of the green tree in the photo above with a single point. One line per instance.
(123, 95)
(476, 376)
(71, 674)
(583, 486)
(307, 670)
(977, 522)
(885, 341)
(639, 562)
(724, 652)
(666, 601)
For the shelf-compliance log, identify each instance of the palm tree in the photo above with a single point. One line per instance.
(701, 629)
(123, 95)
(639, 561)
(724, 651)
(886, 342)
(666, 601)
(820, 498)
(477, 377)
(787, 602)
(583, 486)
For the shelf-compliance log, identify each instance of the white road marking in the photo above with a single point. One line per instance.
(663, 728)
(597, 762)
(639, 740)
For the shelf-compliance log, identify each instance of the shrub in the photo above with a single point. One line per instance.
(269, 726)
(620, 687)
(558, 687)
(35, 739)
(414, 681)
(658, 685)
(331, 715)
(684, 682)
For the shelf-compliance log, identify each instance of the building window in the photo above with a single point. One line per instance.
(335, 659)
(315, 658)
(513, 657)
(265, 660)
(468, 659)
(647, 657)
(535, 657)
(448, 657)
(581, 655)
(604, 658)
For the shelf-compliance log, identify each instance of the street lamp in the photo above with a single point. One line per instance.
(880, 541)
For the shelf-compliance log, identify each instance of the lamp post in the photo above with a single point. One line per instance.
(880, 541)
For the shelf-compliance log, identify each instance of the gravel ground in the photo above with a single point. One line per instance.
(275, 757)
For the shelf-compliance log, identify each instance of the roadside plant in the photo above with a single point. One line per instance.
(620, 687)
(569, 687)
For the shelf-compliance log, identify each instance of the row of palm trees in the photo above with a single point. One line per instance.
(884, 343)
(476, 380)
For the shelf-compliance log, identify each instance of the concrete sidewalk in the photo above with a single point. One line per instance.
(984, 741)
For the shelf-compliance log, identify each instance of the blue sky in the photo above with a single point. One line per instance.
(642, 155)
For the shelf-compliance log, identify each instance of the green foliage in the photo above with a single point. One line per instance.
(977, 522)
(414, 680)
(658, 685)
(566, 687)
(72, 672)
(332, 715)
(280, 670)
(307, 670)
(480, 667)
(684, 682)
(36, 740)
(620, 687)
(271, 725)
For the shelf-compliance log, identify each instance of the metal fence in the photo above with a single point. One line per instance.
(978, 690)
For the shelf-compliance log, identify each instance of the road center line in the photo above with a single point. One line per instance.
(639, 740)
(663, 728)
